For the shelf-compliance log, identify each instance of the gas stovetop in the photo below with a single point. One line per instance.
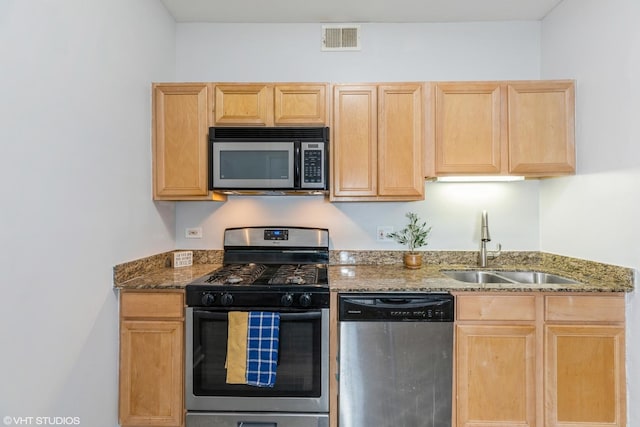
(268, 275)
(267, 267)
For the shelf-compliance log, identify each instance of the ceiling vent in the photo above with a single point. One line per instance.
(341, 37)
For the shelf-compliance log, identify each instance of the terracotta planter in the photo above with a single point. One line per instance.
(413, 260)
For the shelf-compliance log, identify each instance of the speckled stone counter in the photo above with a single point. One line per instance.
(395, 278)
(377, 271)
(155, 272)
(168, 278)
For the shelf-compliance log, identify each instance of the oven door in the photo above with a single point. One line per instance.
(302, 376)
(253, 165)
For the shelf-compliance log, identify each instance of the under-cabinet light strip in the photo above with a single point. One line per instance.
(487, 178)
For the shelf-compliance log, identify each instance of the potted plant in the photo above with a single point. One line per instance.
(414, 235)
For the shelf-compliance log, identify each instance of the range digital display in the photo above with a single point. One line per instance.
(276, 234)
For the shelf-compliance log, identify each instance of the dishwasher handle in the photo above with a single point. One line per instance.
(395, 307)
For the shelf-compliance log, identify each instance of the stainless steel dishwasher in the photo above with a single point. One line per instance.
(395, 359)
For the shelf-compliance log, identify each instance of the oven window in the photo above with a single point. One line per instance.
(298, 372)
(254, 164)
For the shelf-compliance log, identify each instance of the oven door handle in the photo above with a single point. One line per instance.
(218, 315)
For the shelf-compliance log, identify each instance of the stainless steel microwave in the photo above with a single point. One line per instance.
(269, 159)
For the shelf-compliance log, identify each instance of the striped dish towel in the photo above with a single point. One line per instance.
(263, 332)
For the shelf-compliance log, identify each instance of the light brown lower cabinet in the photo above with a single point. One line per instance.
(498, 386)
(151, 359)
(540, 360)
(584, 352)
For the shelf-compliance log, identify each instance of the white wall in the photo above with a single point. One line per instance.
(76, 193)
(390, 52)
(594, 215)
(452, 209)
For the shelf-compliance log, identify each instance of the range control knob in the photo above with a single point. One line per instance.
(305, 300)
(208, 299)
(286, 300)
(226, 299)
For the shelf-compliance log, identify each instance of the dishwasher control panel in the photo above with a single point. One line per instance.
(429, 314)
(397, 307)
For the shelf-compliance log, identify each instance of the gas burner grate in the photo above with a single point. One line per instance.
(295, 274)
(237, 274)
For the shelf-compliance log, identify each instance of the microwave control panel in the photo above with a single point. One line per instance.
(313, 165)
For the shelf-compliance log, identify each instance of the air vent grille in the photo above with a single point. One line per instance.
(267, 133)
(341, 37)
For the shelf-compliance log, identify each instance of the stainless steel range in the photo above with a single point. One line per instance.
(277, 271)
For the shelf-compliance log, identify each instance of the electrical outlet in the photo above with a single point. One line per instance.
(193, 233)
(382, 232)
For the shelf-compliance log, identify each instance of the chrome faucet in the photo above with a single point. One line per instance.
(484, 238)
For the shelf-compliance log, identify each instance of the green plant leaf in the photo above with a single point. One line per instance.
(414, 235)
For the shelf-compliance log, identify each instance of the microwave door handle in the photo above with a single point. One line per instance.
(297, 178)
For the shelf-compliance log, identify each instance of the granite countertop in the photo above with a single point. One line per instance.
(383, 278)
(383, 271)
(167, 277)
(377, 271)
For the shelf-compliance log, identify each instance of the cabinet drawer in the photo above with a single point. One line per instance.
(496, 307)
(585, 308)
(152, 304)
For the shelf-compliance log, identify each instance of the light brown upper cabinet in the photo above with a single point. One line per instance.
(183, 113)
(541, 128)
(377, 139)
(502, 128)
(468, 128)
(180, 129)
(259, 104)
(300, 104)
(243, 104)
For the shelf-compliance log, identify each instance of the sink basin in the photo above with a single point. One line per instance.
(534, 277)
(471, 276)
(513, 277)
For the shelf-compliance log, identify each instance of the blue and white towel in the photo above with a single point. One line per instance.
(263, 332)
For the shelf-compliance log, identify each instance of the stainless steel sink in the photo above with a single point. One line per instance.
(534, 277)
(471, 276)
(513, 277)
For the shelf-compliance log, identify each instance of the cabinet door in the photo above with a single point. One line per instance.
(468, 135)
(354, 146)
(151, 358)
(585, 376)
(151, 371)
(180, 132)
(541, 128)
(400, 141)
(495, 375)
(300, 104)
(243, 104)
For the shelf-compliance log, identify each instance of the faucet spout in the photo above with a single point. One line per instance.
(485, 237)
(482, 256)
